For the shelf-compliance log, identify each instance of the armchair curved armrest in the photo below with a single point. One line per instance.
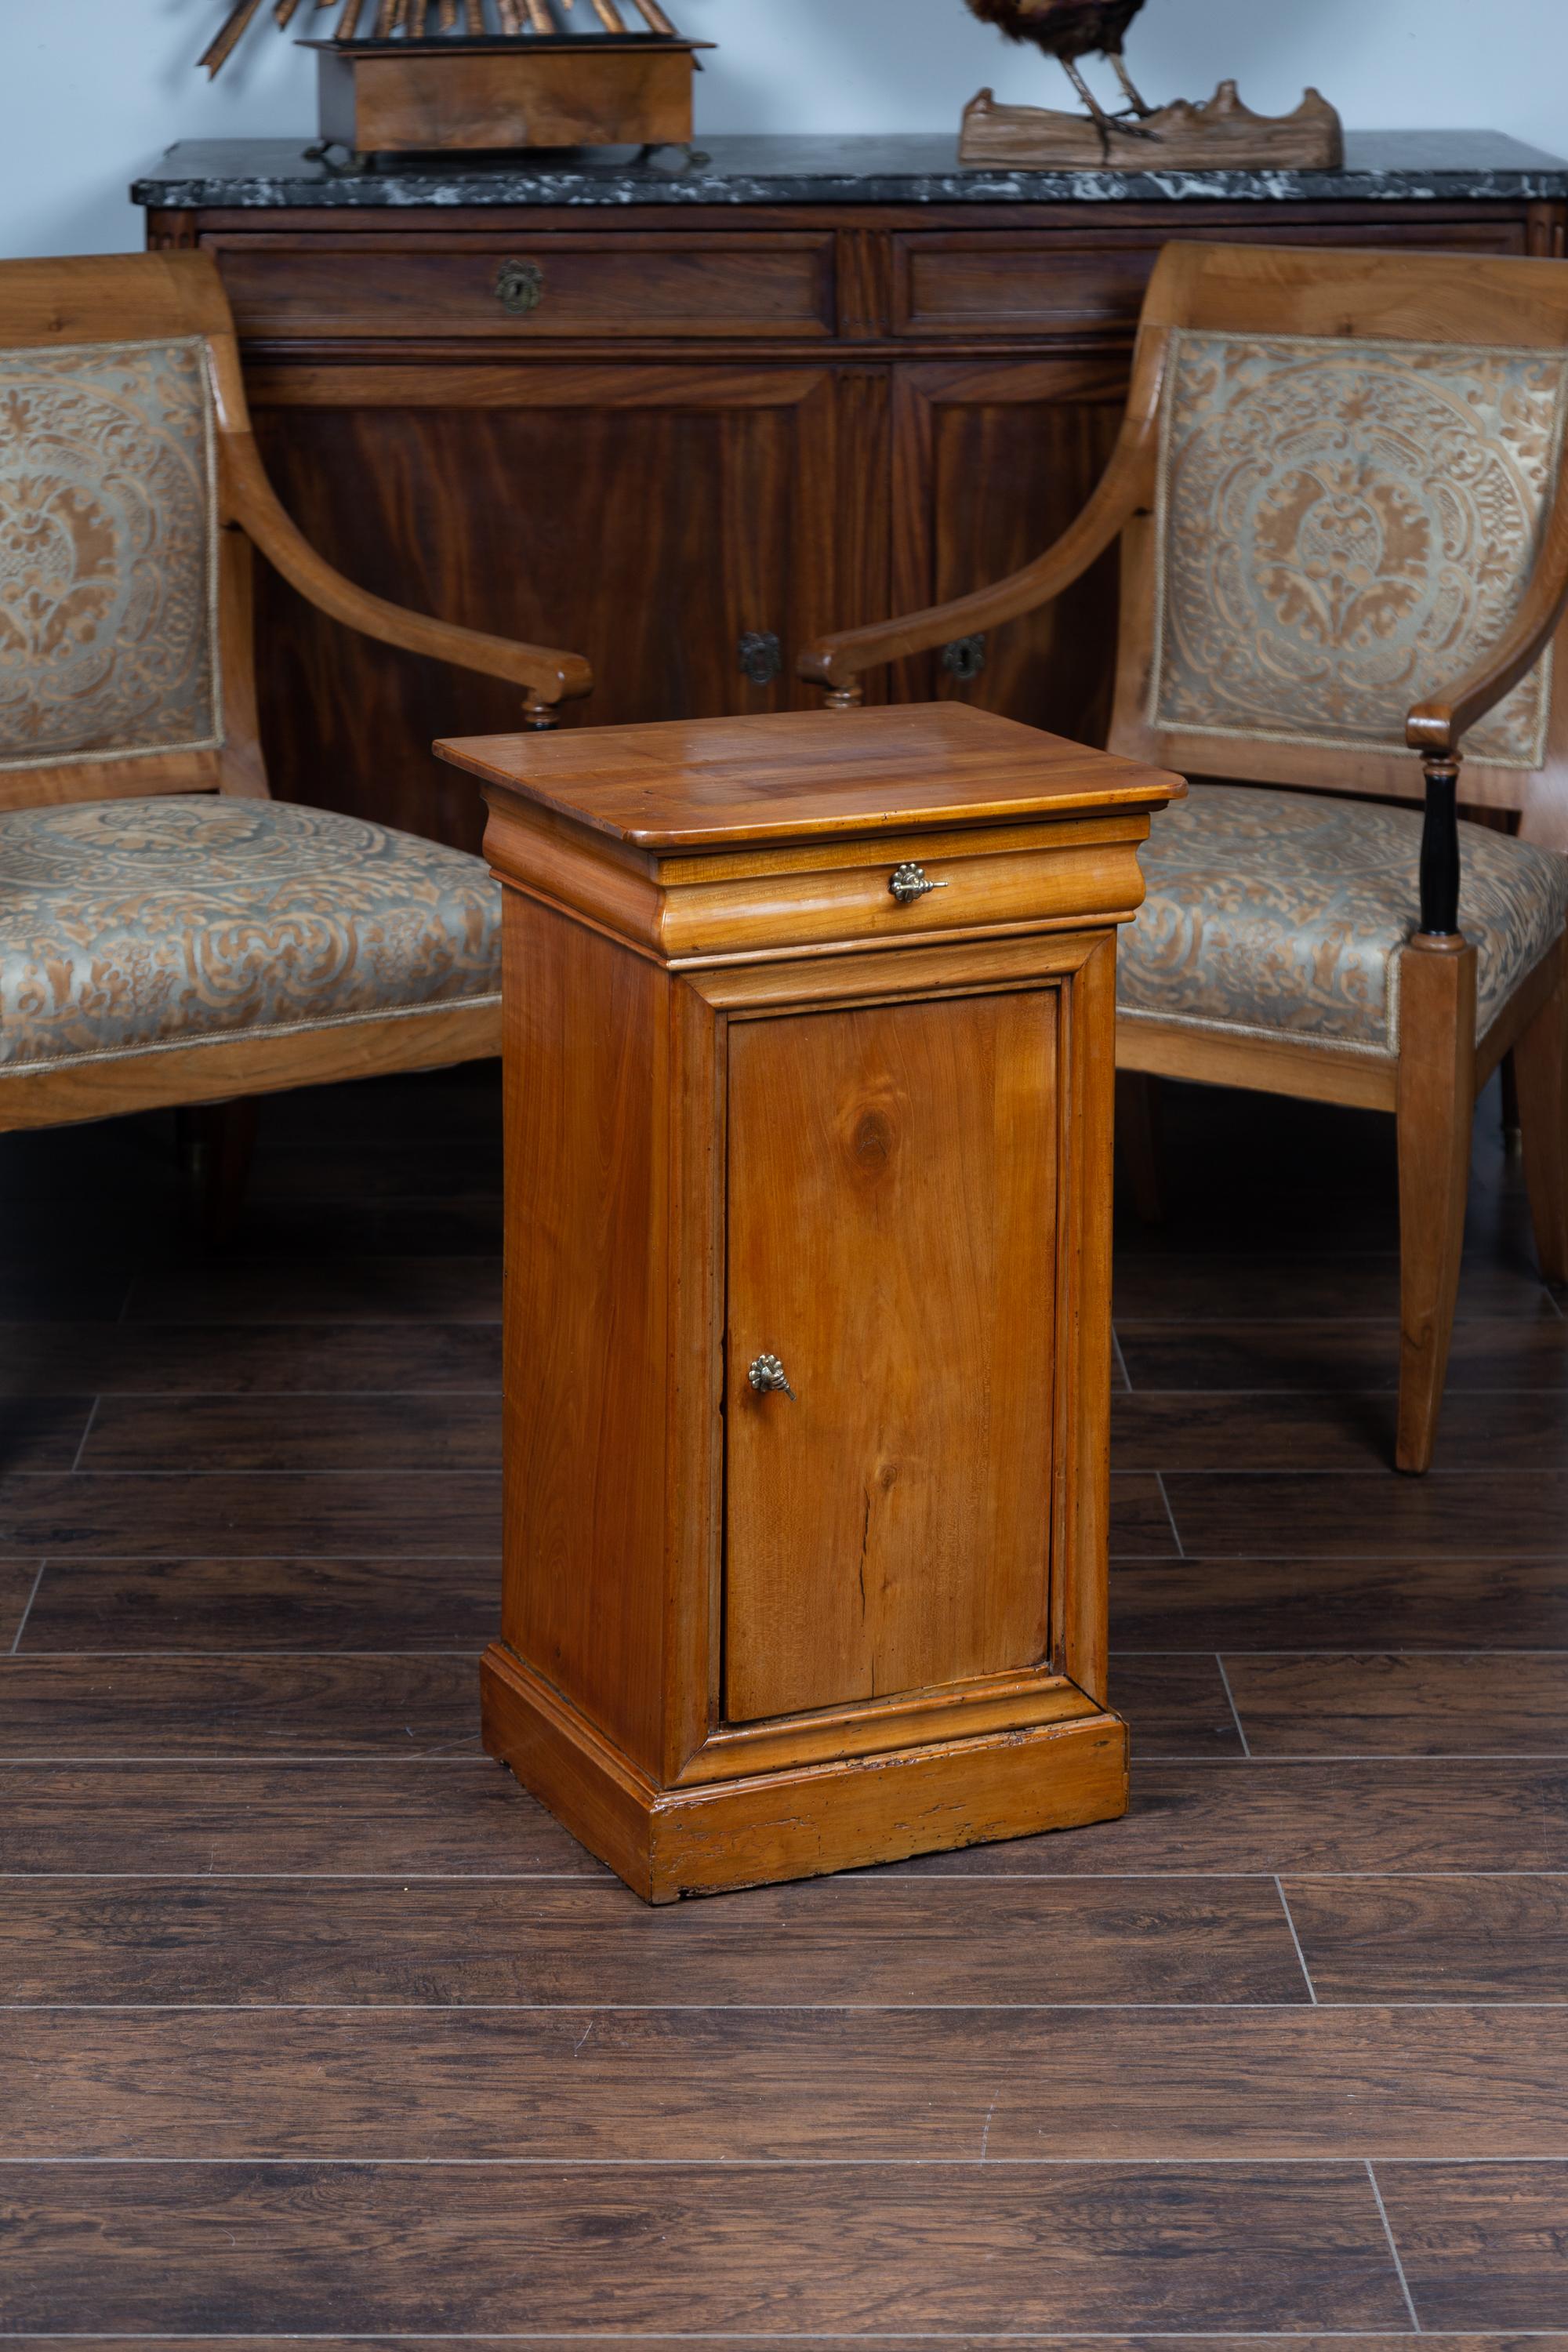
(1438, 726)
(1126, 484)
(550, 675)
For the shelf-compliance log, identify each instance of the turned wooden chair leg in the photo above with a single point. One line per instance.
(1137, 1141)
(1540, 1071)
(216, 1140)
(1437, 1103)
(1509, 1081)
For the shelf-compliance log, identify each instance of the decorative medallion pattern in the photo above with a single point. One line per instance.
(132, 924)
(108, 553)
(1344, 529)
(1285, 913)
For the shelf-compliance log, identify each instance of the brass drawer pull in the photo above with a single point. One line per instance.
(911, 882)
(767, 1375)
(520, 287)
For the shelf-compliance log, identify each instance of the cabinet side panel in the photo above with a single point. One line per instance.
(586, 1212)
(891, 1237)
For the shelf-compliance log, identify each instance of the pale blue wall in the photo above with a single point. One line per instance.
(91, 90)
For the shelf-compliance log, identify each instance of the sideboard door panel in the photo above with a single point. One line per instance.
(891, 1239)
(993, 461)
(647, 518)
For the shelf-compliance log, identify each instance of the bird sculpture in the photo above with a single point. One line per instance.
(1067, 30)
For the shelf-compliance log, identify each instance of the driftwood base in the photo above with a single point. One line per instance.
(1220, 135)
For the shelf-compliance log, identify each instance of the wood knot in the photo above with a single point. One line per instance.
(873, 1145)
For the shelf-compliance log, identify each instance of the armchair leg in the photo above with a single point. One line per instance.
(1137, 1139)
(1435, 1107)
(216, 1140)
(1541, 1073)
(1509, 1077)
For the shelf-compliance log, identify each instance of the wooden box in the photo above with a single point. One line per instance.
(809, 1041)
(405, 95)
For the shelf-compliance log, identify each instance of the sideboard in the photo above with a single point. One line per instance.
(684, 416)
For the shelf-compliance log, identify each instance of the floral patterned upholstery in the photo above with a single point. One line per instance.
(135, 924)
(108, 553)
(1282, 914)
(1344, 528)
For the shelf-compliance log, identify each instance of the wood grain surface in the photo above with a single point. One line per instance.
(644, 2088)
(770, 2249)
(366, 1605)
(920, 1434)
(923, 1941)
(808, 775)
(313, 2024)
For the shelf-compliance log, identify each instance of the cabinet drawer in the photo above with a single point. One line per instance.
(1019, 878)
(977, 283)
(705, 909)
(531, 289)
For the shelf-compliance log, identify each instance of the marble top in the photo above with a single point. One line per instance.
(1389, 166)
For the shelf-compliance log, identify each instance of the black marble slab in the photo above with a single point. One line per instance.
(1387, 166)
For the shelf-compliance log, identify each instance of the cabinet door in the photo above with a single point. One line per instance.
(992, 461)
(892, 1236)
(646, 516)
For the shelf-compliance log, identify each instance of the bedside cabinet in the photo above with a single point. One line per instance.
(808, 1055)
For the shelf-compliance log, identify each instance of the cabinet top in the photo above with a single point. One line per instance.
(914, 168)
(804, 774)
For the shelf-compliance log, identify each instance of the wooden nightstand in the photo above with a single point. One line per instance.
(808, 1028)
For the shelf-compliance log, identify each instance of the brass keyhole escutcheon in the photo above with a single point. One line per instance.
(964, 658)
(761, 656)
(520, 287)
(768, 1377)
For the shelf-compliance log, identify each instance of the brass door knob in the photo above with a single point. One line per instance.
(911, 882)
(767, 1375)
(520, 287)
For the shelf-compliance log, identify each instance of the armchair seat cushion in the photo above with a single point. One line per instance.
(1283, 914)
(131, 924)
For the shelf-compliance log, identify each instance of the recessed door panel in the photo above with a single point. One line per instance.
(892, 1211)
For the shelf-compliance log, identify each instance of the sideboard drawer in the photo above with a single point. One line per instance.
(528, 288)
(969, 283)
(983, 282)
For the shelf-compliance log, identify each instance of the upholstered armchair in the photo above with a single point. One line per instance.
(169, 934)
(1344, 526)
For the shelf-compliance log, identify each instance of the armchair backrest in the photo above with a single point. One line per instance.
(1351, 460)
(117, 672)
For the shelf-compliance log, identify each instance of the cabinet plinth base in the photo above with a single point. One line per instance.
(797, 1823)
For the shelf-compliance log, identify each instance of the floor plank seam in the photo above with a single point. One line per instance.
(1295, 1938)
(1393, 2248)
(27, 1609)
(1235, 1710)
(87, 1431)
(790, 2010)
(721, 2167)
(1165, 1498)
(472, 1648)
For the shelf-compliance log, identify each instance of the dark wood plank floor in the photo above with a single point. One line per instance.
(312, 2025)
